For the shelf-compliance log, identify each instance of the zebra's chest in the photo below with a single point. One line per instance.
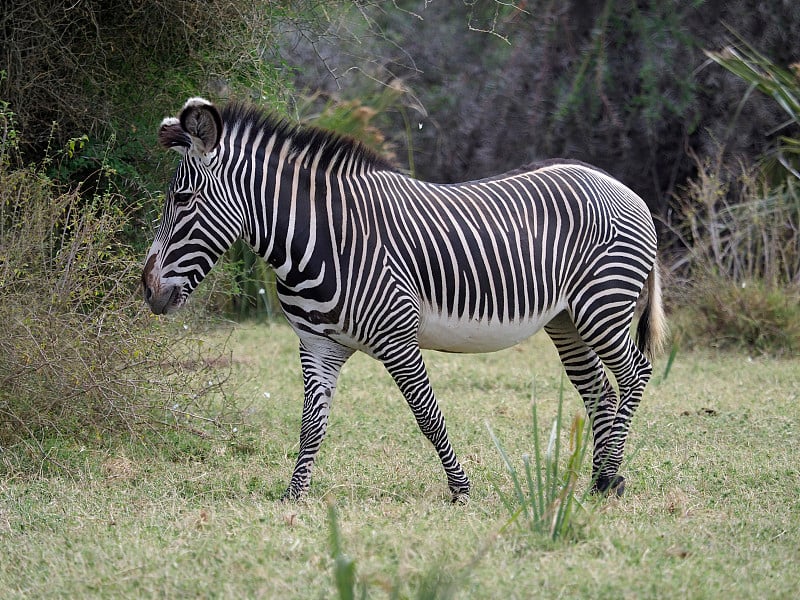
(450, 333)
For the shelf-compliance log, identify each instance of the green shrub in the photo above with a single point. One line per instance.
(80, 356)
(750, 315)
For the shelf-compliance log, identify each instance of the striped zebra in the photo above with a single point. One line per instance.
(367, 258)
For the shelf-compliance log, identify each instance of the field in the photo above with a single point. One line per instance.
(712, 507)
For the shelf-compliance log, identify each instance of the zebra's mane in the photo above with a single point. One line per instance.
(333, 146)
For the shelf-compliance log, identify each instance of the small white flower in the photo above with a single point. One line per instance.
(267, 395)
(262, 291)
(185, 326)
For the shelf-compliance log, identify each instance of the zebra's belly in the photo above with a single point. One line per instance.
(452, 334)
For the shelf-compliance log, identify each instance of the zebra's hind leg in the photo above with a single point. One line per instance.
(586, 372)
(632, 371)
(407, 368)
(607, 332)
(321, 363)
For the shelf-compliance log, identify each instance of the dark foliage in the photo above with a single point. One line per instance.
(620, 84)
(106, 73)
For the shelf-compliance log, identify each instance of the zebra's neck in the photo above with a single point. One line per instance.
(294, 198)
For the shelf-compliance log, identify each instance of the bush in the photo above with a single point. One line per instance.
(760, 318)
(89, 64)
(741, 230)
(79, 354)
(740, 262)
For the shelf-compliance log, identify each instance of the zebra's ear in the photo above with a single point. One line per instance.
(172, 136)
(202, 122)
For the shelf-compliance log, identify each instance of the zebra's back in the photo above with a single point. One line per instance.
(494, 260)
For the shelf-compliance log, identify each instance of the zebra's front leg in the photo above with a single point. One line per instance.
(407, 368)
(321, 363)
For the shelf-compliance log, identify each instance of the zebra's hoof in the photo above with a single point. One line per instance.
(614, 485)
(460, 498)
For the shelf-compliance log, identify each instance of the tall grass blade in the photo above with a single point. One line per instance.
(567, 496)
(673, 353)
(547, 500)
(344, 567)
(532, 489)
(520, 496)
(554, 445)
(551, 460)
(538, 458)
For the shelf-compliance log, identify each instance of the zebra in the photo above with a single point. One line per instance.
(369, 259)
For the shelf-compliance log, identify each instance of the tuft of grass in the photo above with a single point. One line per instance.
(344, 567)
(545, 501)
(753, 316)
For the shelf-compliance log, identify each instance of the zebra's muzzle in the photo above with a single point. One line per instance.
(161, 297)
(165, 299)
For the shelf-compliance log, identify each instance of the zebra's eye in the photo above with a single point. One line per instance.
(182, 198)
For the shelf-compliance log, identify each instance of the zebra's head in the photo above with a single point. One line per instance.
(200, 220)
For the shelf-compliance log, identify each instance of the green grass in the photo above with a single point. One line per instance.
(545, 500)
(712, 504)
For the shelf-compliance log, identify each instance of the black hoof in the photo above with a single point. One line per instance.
(459, 491)
(460, 498)
(609, 485)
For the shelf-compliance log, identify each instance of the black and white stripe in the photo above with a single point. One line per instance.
(369, 259)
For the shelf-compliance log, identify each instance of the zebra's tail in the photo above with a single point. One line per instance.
(651, 332)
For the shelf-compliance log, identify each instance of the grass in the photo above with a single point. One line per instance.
(547, 501)
(712, 505)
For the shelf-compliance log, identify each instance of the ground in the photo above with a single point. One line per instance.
(712, 505)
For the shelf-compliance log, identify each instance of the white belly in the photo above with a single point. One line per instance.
(450, 334)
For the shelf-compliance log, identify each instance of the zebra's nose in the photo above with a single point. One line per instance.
(148, 291)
